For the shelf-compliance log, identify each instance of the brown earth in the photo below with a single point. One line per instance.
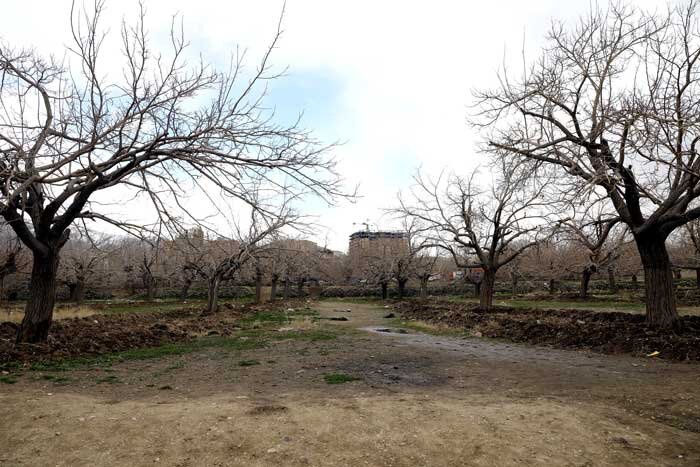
(97, 334)
(420, 400)
(607, 332)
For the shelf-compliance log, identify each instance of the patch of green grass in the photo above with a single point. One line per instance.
(7, 379)
(148, 353)
(266, 317)
(248, 363)
(311, 335)
(338, 378)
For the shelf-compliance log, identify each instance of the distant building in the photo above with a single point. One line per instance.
(366, 246)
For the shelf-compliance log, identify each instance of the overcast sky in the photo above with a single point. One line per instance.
(391, 79)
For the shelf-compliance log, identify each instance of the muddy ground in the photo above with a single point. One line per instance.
(417, 399)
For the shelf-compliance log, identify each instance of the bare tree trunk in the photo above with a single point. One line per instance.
(697, 278)
(423, 287)
(658, 278)
(273, 287)
(487, 288)
(585, 281)
(402, 287)
(38, 312)
(213, 294)
(150, 288)
(79, 291)
(552, 286)
(286, 288)
(612, 285)
(258, 286)
(477, 289)
(385, 287)
(514, 283)
(635, 282)
(185, 289)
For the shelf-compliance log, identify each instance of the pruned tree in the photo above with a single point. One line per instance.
(613, 103)
(158, 129)
(691, 242)
(11, 257)
(379, 270)
(493, 225)
(595, 233)
(223, 258)
(82, 257)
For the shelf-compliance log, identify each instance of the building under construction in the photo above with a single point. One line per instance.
(366, 246)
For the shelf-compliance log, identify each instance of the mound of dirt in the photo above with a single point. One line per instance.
(99, 334)
(610, 333)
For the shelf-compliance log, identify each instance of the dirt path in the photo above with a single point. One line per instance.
(419, 400)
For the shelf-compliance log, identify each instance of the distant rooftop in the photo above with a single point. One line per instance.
(377, 234)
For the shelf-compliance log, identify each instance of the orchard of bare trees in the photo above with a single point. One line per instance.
(591, 149)
(180, 196)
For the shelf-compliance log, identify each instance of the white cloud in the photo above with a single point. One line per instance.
(405, 68)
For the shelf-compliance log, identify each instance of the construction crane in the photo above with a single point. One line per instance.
(366, 224)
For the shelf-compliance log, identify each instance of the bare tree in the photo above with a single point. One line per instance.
(592, 231)
(495, 226)
(158, 129)
(80, 266)
(11, 257)
(223, 258)
(379, 270)
(613, 104)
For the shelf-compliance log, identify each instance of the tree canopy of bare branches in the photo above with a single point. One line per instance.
(157, 128)
(613, 103)
(491, 225)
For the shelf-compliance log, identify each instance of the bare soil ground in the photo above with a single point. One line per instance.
(607, 332)
(260, 397)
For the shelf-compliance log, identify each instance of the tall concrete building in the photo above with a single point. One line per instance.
(366, 246)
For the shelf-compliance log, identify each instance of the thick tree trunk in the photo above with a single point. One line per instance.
(286, 288)
(213, 294)
(552, 286)
(38, 312)
(658, 279)
(514, 283)
(697, 278)
(273, 288)
(402, 287)
(487, 287)
(585, 281)
(477, 289)
(385, 288)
